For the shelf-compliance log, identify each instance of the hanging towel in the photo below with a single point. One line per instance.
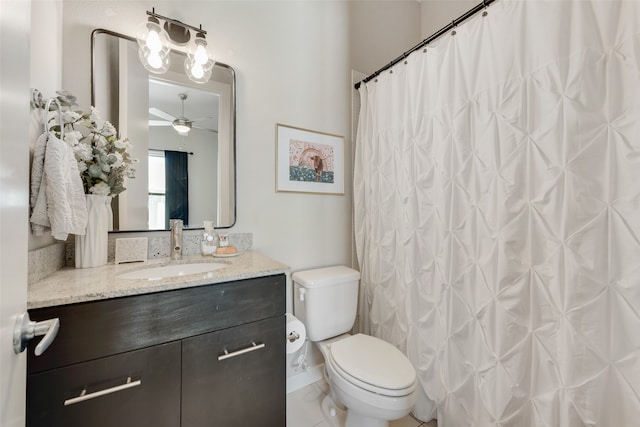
(59, 202)
(37, 199)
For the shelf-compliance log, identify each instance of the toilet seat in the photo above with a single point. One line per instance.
(373, 365)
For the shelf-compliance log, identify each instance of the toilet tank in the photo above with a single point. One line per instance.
(326, 300)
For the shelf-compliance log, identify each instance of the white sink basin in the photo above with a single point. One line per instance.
(172, 270)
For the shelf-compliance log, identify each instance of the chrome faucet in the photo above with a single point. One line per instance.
(176, 239)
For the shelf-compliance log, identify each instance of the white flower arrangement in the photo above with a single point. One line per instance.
(103, 158)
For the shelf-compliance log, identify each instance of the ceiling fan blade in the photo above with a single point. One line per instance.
(159, 123)
(201, 119)
(159, 113)
(210, 130)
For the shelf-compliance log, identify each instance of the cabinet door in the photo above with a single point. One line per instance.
(115, 397)
(229, 379)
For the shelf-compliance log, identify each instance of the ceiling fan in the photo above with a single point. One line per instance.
(181, 124)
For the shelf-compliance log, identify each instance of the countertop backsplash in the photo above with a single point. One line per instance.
(47, 260)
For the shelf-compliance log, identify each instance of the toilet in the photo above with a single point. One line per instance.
(368, 377)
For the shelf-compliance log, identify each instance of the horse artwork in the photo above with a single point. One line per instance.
(309, 161)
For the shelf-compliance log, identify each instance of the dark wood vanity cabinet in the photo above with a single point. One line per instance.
(236, 390)
(209, 355)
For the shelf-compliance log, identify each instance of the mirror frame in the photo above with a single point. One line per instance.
(233, 150)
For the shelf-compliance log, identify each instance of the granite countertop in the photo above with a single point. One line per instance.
(71, 285)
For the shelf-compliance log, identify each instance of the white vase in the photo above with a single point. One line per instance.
(91, 249)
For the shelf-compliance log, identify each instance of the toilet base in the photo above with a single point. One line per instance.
(337, 416)
(334, 414)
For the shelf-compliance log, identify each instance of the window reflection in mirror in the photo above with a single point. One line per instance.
(157, 190)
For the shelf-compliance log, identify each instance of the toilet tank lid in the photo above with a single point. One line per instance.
(327, 276)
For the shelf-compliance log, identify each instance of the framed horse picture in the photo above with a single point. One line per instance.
(308, 161)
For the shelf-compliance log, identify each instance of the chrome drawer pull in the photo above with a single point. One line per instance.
(253, 347)
(84, 396)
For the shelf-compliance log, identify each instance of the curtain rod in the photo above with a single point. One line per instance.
(482, 6)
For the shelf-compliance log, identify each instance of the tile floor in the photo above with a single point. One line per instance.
(304, 410)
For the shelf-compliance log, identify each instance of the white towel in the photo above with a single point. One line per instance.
(38, 199)
(60, 193)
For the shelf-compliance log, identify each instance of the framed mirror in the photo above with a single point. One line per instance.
(188, 175)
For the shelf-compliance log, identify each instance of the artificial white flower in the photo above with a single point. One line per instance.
(103, 159)
(72, 137)
(108, 129)
(122, 144)
(83, 153)
(95, 117)
(100, 189)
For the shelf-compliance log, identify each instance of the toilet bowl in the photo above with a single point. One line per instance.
(370, 377)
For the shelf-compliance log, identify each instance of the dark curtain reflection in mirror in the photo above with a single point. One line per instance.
(177, 185)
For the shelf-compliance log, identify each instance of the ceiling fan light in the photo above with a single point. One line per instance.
(181, 126)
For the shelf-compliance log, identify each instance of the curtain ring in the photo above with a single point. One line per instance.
(484, 12)
(453, 25)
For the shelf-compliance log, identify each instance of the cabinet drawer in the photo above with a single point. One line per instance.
(101, 328)
(248, 389)
(154, 402)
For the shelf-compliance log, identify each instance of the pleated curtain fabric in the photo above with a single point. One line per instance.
(497, 216)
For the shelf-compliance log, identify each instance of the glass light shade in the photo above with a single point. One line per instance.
(196, 72)
(198, 51)
(153, 61)
(153, 46)
(198, 65)
(181, 126)
(151, 35)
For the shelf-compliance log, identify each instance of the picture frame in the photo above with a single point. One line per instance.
(309, 161)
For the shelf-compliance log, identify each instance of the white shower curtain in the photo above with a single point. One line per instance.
(497, 216)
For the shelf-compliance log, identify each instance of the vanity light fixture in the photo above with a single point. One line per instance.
(155, 42)
(153, 46)
(198, 64)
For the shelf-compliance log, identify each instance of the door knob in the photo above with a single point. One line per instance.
(25, 329)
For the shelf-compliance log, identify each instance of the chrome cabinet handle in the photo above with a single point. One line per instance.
(84, 396)
(251, 348)
(26, 329)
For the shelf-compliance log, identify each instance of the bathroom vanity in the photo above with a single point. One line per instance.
(197, 350)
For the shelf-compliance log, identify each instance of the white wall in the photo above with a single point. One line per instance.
(380, 31)
(436, 14)
(292, 60)
(45, 73)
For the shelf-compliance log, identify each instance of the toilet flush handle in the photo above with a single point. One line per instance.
(302, 292)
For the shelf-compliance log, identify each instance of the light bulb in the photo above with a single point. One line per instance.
(200, 55)
(153, 42)
(154, 60)
(197, 71)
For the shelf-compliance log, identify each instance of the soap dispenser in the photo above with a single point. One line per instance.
(208, 239)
